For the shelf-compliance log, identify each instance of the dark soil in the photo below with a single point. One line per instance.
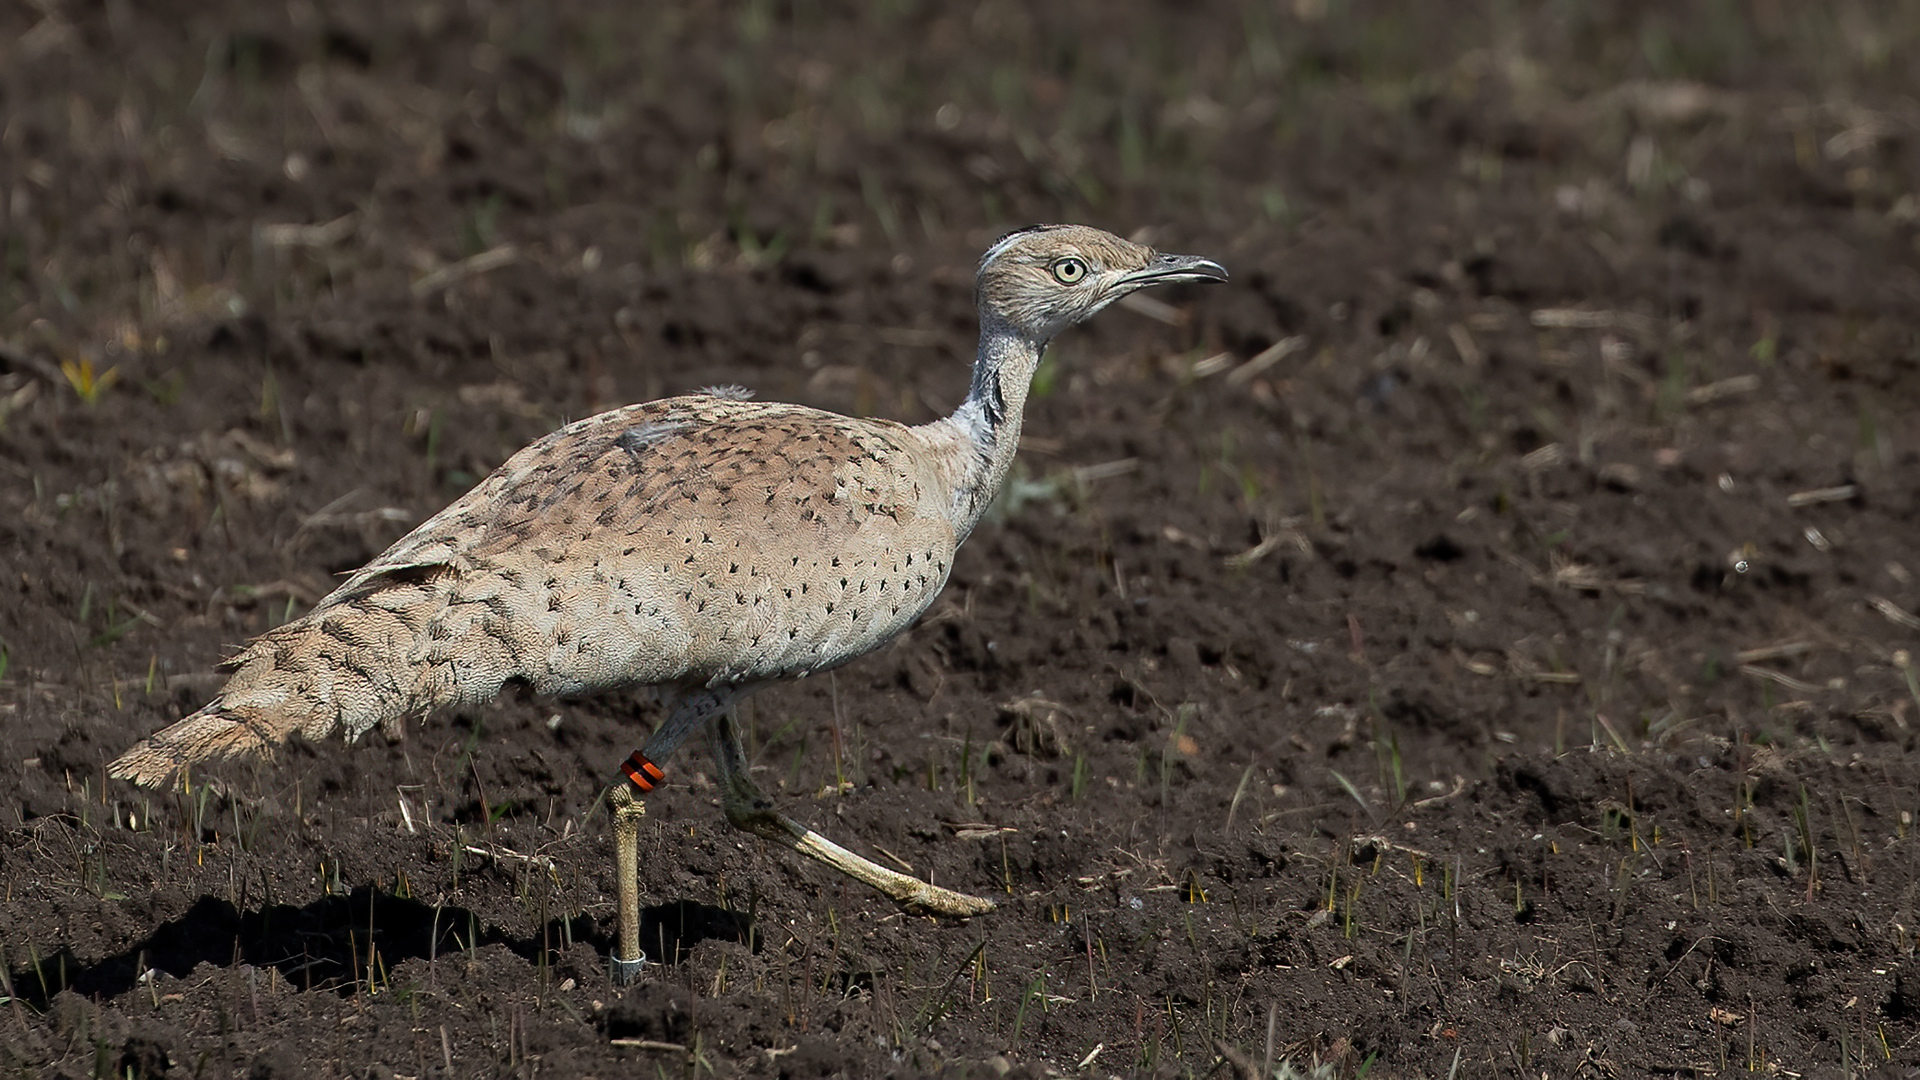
(1511, 678)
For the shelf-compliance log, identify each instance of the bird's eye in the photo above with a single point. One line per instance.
(1069, 270)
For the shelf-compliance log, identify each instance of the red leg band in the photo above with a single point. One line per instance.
(644, 773)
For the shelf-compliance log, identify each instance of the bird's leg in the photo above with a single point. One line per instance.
(749, 809)
(686, 714)
(628, 960)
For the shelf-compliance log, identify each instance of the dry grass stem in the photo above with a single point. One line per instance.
(473, 266)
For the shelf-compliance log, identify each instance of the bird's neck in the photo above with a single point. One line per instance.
(987, 423)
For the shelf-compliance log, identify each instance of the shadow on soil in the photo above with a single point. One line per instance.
(324, 945)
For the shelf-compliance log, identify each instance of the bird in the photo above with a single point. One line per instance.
(704, 545)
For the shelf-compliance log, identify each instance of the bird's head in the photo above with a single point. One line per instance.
(1040, 280)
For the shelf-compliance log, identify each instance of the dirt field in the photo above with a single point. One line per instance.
(1477, 641)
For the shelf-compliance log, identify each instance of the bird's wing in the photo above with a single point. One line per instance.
(636, 480)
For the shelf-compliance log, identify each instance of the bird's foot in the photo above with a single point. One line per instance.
(914, 893)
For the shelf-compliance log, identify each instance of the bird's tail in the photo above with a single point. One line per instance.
(352, 663)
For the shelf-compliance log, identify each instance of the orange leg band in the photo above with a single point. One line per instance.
(644, 773)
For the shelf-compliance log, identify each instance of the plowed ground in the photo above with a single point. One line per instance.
(1476, 641)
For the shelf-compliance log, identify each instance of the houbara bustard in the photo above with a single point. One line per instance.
(706, 545)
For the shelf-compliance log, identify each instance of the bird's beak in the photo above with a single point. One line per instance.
(1167, 269)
